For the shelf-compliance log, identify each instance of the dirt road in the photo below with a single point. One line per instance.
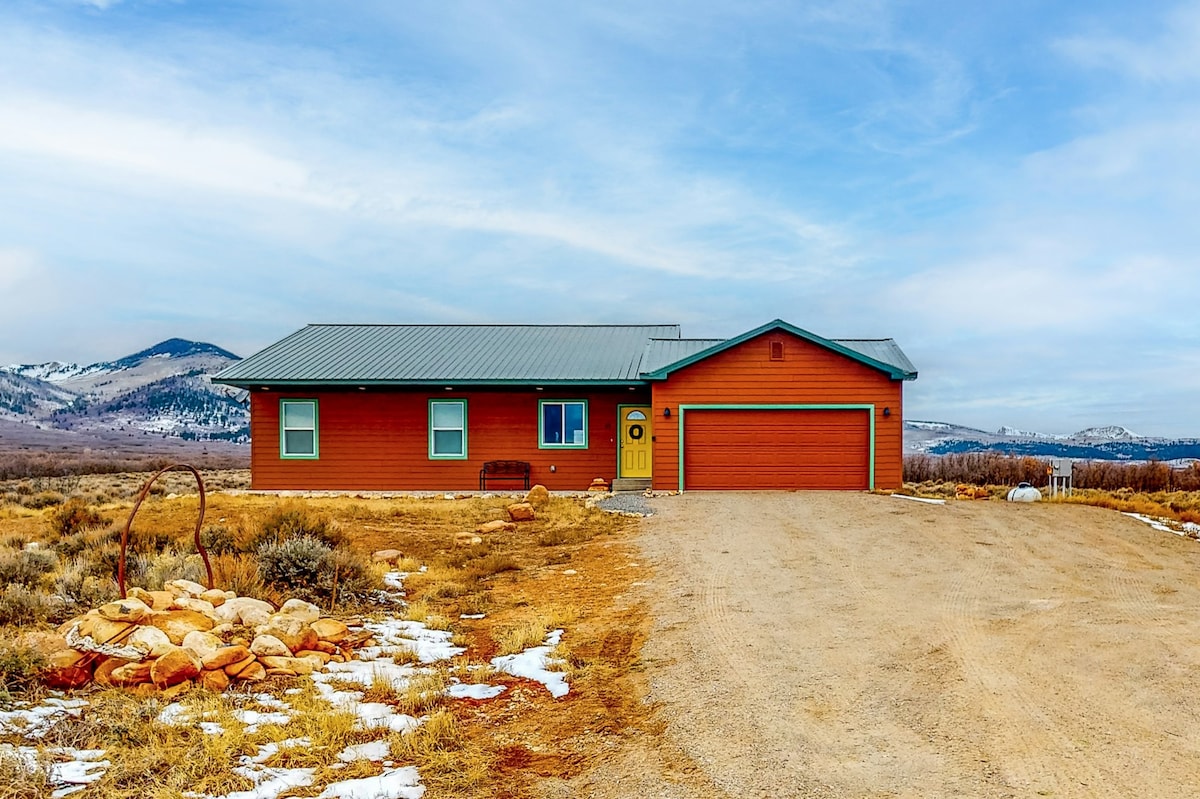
(851, 645)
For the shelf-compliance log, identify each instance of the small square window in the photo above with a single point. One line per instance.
(562, 424)
(448, 429)
(776, 350)
(298, 428)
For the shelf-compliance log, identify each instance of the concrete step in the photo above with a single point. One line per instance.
(630, 484)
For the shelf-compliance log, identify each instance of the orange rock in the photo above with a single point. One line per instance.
(67, 669)
(235, 670)
(130, 674)
(176, 666)
(279, 673)
(214, 680)
(497, 526)
(521, 512)
(330, 630)
(326, 647)
(178, 623)
(538, 496)
(103, 673)
(252, 673)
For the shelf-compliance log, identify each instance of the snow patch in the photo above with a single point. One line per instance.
(533, 664)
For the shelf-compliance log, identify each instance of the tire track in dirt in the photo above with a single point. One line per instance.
(1045, 743)
(849, 645)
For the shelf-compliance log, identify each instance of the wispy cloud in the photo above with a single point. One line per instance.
(972, 183)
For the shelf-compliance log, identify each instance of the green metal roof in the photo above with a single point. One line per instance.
(662, 352)
(430, 354)
(882, 354)
(509, 354)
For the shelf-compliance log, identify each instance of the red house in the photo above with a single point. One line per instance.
(424, 407)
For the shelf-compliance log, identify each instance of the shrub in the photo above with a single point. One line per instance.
(44, 499)
(73, 516)
(19, 668)
(218, 539)
(26, 569)
(293, 520)
(294, 564)
(76, 593)
(20, 606)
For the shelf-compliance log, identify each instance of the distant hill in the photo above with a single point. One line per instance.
(1095, 443)
(163, 390)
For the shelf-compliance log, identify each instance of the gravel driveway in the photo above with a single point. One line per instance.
(854, 645)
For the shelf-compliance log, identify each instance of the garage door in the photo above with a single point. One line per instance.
(773, 449)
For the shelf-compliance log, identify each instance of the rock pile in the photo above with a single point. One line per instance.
(168, 641)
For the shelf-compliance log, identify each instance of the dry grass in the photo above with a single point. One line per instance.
(462, 748)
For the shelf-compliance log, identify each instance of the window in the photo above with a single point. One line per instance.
(448, 429)
(298, 428)
(776, 350)
(562, 423)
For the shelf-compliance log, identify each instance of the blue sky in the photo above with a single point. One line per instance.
(1010, 190)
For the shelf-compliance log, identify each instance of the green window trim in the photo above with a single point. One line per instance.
(293, 432)
(579, 436)
(869, 408)
(440, 432)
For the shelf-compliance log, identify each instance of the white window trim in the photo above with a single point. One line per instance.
(454, 456)
(542, 443)
(283, 430)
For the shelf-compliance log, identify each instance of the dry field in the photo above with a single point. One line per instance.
(572, 568)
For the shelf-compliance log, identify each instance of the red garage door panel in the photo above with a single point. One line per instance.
(751, 449)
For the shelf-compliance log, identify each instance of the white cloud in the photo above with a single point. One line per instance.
(1170, 55)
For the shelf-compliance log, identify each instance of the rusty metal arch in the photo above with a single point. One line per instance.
(142, 496)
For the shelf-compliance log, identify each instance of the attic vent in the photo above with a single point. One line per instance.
(776, 350)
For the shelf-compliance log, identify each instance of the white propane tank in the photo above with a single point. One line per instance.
(1024, 492)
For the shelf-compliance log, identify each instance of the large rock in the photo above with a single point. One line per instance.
(105, 631)
(130, 674)
(176, 666)
(306, 612)
(198, 605)
(214, 596)
(497, 526)
(151, 640)
(66, 669)
(521, 512)
(127, 610)
(298, 666)
(245, 611)
(330, 630)
(294, 634)
(538, 496)
(225, 656)
(269, 646)
(251, 673)
(178, 623)
(185, 588)
(215, 681)
(202, 643)
(386, 556)
(103, 673)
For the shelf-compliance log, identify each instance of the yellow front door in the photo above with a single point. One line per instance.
(635, 441)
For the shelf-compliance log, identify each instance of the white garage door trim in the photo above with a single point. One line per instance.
(869, 408)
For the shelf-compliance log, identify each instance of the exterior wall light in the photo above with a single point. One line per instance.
(667, 413)
(887, 411)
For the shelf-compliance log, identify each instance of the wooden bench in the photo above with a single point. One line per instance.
(504, 470)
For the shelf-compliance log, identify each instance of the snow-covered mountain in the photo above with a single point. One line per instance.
(164, 389)
(1094, 443)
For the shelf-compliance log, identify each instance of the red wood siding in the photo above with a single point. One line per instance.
(378, 440)
(808, 374)
(776, 449)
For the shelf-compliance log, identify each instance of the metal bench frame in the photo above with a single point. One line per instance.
(504, 470)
